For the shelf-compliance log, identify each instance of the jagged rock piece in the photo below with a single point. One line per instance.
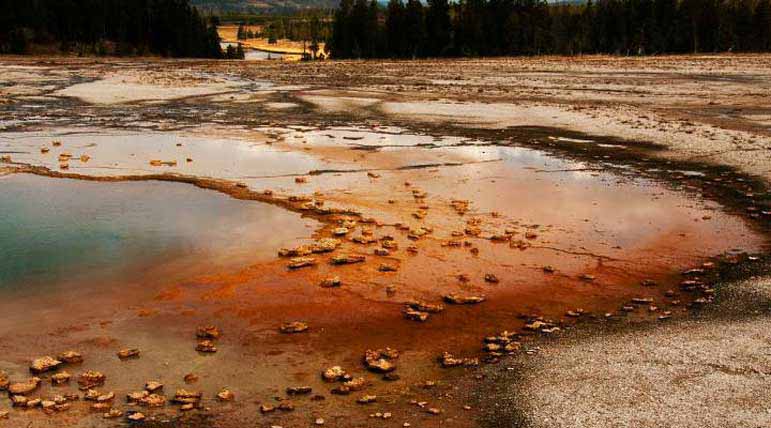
(70, 357)
(91, 379)
(346, 259)
(301, 262)
(206, 346)
(207, 332)
(294, 327)
(414, 315)
(333, 374)
(226, 395)
(44, 364)
(425, 307)
(331, 282)
(60, 378)
(125, 354)
(457, 299)
(24, 388)
(381, 360)
(299, 390)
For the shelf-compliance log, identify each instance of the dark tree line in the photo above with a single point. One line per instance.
(120, 27)
(363, 29)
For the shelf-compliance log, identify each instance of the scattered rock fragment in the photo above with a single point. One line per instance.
(367, 399)
(125, 354)
(207, 332)
(463, 300)
(226, 395)
(267, 408)
(293, 327)
(153, 386)
(299, 390)
(113, 414)
(301, 262)
(136, 417)
(447, 360)
(183, 396)
(91, 379)
(381, 360)
(4, 381)
(425, 307)
(70, 357)
(331, 282)
(24, 388)
(60, 378)
(414, 315)
(206, 346)
(333, 374)
(190, 378)
(387, 268)
(345, 259)
(44, 364)
(491, 278)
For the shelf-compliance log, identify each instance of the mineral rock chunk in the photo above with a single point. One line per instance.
(333, 374)
(226, 395)
(91, 379)
(425, 307)
(206, 346)
(125, 354)
(183, 396)
(331, 282)
(286, 406)
(70, 357)
(457, 299)
(414, 315)
(448, 360)
(346, 259)
(112, 414)
(152, 400)
(135, 397)
(294, 327)
(60, 378)
(491, 278)
(4, 382)
(299, 390)
(355, 384)
(381, 360)
(153, 386)
(136, 417)
(24, 388)
(367, 399)
(207, 332)
(44, 364)
(267, 408)
(301, 262)
(19, 401)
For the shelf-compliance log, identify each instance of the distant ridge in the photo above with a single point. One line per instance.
(261, 6)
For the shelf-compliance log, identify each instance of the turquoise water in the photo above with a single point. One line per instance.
(54, 230)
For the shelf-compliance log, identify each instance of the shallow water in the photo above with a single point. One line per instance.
(586, 219)
(55, 229)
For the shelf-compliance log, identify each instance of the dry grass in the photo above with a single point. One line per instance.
(228, 34)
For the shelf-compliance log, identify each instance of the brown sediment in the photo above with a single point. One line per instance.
(365, 312)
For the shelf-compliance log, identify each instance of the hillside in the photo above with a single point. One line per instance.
(261, 6)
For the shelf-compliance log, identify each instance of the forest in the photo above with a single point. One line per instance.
(438, 28)
(170, 28)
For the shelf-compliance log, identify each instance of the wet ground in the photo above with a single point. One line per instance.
(145, 202)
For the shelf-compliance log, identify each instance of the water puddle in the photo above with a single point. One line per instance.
(63, 231)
